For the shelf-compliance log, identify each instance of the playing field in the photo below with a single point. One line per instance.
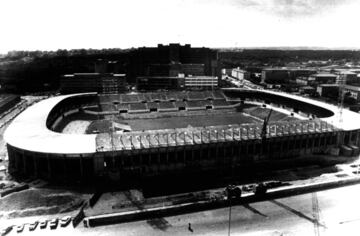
(89, 124)
(195, 121)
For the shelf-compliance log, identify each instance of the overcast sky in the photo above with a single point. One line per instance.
(70, 24)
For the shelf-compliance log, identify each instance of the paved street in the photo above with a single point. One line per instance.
(331, 212)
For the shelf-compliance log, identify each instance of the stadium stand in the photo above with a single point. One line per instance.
(123, 108)
(171, 96)
(196, 96)
(180, 105)
(192, 105)
(220, 104)
(130, 98)
(7, 101)
(167, 106)
(107, 107)
(152, 106)
(208, 95)
(218, 95)
(137, 107)
(182, 96)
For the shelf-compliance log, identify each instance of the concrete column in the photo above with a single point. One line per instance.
(35, 161)
(81, 167)
(49, 174)
(312, 143)
(24, 170)
(357, 138)
(65, 168)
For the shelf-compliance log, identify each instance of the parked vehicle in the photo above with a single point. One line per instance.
(54, 223)
(260, 189)
(43, 224)
(33, 226)
(20, 228)
(233, 191)
(6, 230)
(65, 221)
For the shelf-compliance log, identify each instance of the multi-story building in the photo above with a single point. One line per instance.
(201, 82)
(92, 82)
(322, 78)
(160, 82)
(172, 60)
(328, 90)
(240, 74)
(283, 75)
(346, 77)
(354, 91)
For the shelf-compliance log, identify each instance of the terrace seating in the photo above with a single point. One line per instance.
(195, 104)
(152, 106)
(107, 107)
(180, 105)
(171, 96)
(105, 99)
(155, 97)
(147, 97)
(182, 96)
(123, 107)
(208, 95)
(196, 96)
(166, 105)
(130, 98)
(260, 112)
(276, 116)
(218, 95)
(137, 107)
(220, 103)
(142, 97)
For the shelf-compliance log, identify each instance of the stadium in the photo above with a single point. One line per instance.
(123, 136)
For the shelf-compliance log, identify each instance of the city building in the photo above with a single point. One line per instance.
(92, 82)
(201, 82)
(346, 77)
(307, 90)
(240, 74)
(328, 90)
(160, 82)
(172, 60)
(284, 75)
(226, 71)
(322, 78)
(354, 91)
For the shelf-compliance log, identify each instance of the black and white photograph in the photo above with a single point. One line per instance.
(180, 117)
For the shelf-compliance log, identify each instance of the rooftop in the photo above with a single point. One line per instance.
(351, 87)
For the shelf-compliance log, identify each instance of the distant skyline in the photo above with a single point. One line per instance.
(68, 24)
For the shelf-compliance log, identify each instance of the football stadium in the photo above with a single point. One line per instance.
(122, 136)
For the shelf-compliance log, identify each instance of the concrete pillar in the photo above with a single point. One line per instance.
(81, 167)
(24, 170)
(49, 174)
(65, 168)
(35, 161)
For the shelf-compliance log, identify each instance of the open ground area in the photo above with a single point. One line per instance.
(80, 123)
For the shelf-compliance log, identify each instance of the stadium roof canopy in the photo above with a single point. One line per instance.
(28, 131)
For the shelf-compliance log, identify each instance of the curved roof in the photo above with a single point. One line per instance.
(28, 131)
(350, 119)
